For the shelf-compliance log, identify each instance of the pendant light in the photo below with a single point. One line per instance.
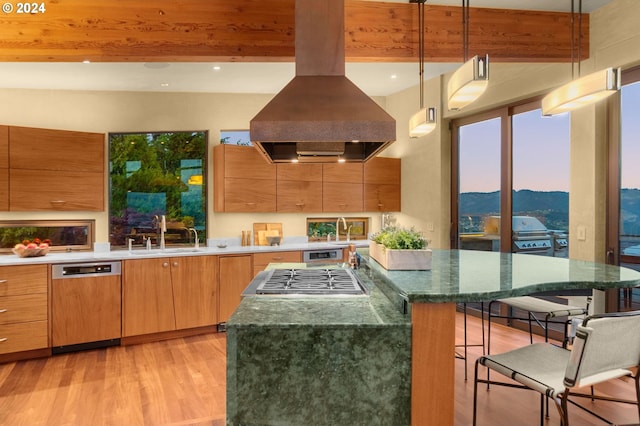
(583, 90)
(424, 121)
(469, 81)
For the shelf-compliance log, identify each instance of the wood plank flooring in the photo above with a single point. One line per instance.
(182, 382)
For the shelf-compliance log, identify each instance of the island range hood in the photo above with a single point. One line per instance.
(321, 116)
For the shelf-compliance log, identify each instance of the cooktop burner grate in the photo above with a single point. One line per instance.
(310, 281)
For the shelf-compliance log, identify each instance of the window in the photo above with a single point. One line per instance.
(625, 193)
(541, 155)
(235, 137)
(512, 163)
(156, 174)
(65, 235)
(479, 185)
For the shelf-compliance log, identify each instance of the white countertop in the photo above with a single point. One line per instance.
(139, 253)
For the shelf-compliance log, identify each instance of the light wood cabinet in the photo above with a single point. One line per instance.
(299, 188)
(147, 297)
(195, 295)
(55, 170)
(23, 308)
(342, 187)
(234, 275)
(243, 180)
(382, 184)
(4, 168)
(261, 260)
(165, 294)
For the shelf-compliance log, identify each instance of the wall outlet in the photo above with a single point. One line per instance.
(582, 233)
(429, 226)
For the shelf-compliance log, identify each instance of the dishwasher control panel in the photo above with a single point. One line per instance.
(85, 269)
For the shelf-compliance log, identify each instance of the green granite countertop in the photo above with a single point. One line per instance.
(468, 276)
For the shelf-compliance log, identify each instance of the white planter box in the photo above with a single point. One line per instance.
(400, 259)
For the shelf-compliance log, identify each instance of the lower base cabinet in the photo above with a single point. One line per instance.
(165, 294)
(234, 274)
(24, 324)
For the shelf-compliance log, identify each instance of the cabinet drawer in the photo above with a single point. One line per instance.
(261, 260)
(276, 257)
(22, 308)
(23, 336)
(26, 279)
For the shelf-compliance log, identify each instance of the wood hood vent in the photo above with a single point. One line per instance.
(321, 105)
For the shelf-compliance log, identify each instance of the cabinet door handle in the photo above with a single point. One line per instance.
(3, 339)
(299, 204)
(2, 311)
(165, 264)
(58, 203)
(3, 281)
(175, 263)
(277, 258)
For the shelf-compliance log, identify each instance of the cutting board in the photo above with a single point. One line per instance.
(263, 230)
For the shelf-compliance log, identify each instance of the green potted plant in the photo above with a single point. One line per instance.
(398, 248)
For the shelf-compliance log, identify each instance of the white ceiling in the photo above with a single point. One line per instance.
(375, 79)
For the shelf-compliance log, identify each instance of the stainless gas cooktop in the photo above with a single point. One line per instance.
(310, 281)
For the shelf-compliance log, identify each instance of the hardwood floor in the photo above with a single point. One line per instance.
(182, 382)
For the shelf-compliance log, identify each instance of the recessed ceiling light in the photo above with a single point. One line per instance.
(216, 68)
(164, 84)
(393, 76)
(86, 61)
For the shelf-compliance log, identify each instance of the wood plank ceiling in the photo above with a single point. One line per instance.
(263, 30)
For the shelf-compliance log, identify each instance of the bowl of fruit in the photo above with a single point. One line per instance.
(32, 248)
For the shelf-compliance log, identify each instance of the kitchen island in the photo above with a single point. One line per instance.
(319, 359)
(457, 276)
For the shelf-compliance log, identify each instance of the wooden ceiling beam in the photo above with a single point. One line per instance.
(263, 30)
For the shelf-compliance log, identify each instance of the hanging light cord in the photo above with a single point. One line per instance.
(465, 30)
(421, 48)
(573, 20)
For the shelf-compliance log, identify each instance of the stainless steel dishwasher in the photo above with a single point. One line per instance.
(86, 306)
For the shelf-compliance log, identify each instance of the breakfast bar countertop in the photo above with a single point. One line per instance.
(468, 276)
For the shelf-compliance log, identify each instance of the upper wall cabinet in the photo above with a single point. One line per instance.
(55, 170)
(342, 187)
(382, 185)
(299, 187)
(243, 180)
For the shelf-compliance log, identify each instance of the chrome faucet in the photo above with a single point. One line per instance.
(344, 224)
(195, 235)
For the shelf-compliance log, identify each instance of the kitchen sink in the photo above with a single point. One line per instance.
(154, 252)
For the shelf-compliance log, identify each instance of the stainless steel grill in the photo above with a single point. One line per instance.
(310, 281)
(529, 234)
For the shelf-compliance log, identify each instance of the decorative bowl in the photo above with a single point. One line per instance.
(31, 252)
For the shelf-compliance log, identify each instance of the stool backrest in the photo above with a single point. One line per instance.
(605, 346)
